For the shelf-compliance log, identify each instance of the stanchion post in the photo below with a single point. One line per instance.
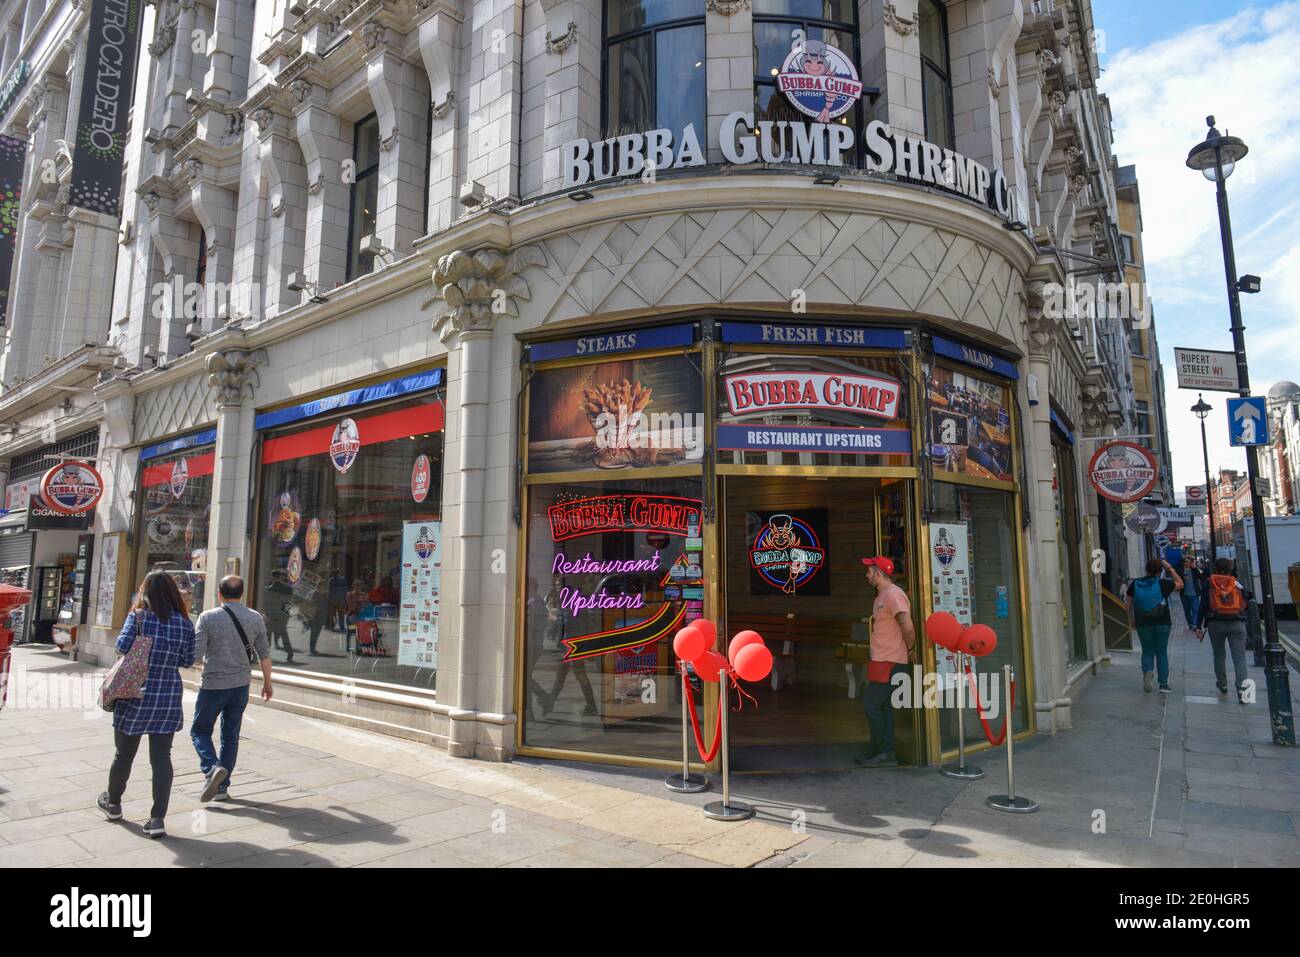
(726, 809)
(1009, 802)
(686, 783)
(961, 770)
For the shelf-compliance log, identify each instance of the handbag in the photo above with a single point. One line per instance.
(125, 679)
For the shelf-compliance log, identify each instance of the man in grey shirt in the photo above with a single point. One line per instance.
(227, 671)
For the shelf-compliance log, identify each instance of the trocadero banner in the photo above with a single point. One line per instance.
(13, 157)
(113, 40)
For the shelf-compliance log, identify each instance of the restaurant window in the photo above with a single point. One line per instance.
(1069, 539)
(349, 541)
(365, 195)
(936, 76)
(176, 489)
(810, 26)
(654, 66)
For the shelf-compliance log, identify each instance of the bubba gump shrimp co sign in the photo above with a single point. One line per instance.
(71, 488)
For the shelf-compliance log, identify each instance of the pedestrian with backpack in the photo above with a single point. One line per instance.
(1223, 614)
(1148, 614)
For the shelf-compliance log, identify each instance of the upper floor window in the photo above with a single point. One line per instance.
(783, 25)
(1129, 256)
(654, 66)
(936, 74)
(365, 195)
(201, 264)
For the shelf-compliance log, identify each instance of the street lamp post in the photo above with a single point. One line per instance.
(1215, 158)
(1202, 409)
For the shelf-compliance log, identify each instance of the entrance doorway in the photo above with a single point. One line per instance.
(814, 612)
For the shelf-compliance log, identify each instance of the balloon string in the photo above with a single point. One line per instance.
(979, 710)
(695, 724)
(736, 685)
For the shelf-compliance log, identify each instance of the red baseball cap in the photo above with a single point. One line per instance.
(886, 565)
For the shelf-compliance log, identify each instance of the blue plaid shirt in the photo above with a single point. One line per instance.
(158, 710)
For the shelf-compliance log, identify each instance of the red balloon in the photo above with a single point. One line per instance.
(710, 665)
(708, 629)
(689, 643)
(754, 662)
(977, 641)
(742, 639)
(943, 629)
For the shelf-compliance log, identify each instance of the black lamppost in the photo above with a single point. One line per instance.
(1215, 158)
(1202, 409)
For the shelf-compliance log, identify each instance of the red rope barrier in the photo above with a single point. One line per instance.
(979, 710)
(695, 724)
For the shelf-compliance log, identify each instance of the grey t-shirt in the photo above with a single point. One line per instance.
(217, 645)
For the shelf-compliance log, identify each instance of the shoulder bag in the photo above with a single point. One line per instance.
(125, 679)
(248, 649)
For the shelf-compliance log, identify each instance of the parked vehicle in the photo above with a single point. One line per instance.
(1284, 560)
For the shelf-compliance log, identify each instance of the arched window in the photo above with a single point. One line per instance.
(936, 75)
(654, 64)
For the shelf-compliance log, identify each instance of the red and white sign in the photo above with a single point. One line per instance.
(71, 488)
(421, 474)
(1123, 471)
(1195, 494)
(831, 391)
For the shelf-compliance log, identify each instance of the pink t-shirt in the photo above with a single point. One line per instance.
(887, 642)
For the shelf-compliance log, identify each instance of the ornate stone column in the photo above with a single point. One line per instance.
(473, 290)
(233, 377)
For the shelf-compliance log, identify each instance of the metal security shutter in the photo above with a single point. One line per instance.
(15, 569)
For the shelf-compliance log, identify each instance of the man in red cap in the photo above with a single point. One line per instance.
(893, 648)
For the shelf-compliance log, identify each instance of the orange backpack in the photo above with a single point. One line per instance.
(1226, 599)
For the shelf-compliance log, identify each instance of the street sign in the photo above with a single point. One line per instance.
(1247, 421)
(1195, 495)
(1162, 541)
(1208, 371)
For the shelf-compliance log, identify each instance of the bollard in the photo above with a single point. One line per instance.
(726, 809)
(686, 782)
(961, 770)
(1009, 801)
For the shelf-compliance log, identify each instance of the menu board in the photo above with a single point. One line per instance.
(110, 544)
(950, 580)
(421, 581)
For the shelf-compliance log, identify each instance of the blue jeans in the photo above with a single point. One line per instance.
(880, 711)
(1155, 645)
(1190, 606)
(229, 704)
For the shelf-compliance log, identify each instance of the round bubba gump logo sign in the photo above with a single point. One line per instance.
(71, 488)
(180, 478)
(1123, 471)
(345, 445)
(786, 553)
(944, 550)
(819, 80)
(424, 545)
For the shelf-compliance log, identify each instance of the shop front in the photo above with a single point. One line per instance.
(740, 470)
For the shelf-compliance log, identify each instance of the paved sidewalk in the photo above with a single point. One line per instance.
(1144, 779)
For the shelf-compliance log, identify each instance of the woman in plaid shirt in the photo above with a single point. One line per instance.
(159, 612)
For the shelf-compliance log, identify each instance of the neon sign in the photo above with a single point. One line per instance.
(664, 622)
(623, 513)
(786, 553)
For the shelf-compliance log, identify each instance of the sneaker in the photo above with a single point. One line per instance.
(1165, 689)
(1241, 697)
(863, 755)
(215, 777)
(155, 827)
(223, 794)
(590, 710)
(886, 759)
(111, 811)
(1148, 680)
(1223, 689)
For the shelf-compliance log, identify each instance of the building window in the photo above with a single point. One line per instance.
(177, 493)
(365, 195)
(654, 66)
(1135, 343)
(936, 76)
(201, 267)
(1128, 248)
(780, 25)
(428, 166)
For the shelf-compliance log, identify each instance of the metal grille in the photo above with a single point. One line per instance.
(31, 464)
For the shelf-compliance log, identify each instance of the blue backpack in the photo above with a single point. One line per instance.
(1148, 596)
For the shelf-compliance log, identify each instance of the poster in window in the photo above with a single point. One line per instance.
(620, 414)
(107, 593)
(969, 425)
(420, 585)
(787, 552)
(950, 580)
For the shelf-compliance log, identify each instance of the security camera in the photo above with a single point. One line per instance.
(297, 282)
(194, 331)
(472, 194)
(371, 246)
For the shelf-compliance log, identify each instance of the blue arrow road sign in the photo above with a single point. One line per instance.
(1247, 421)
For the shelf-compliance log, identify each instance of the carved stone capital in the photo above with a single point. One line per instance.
(1057, 100)
(386, 143)
(315, 185)
(232, 373)
(1047, 59)
(896, 23)
(440, 110)
(994, 86)
(164, 37)
(299, 90)
(473, 289)
(372, 34)
(151, 200)
(263, 118)
(565, 40)
(726, 8)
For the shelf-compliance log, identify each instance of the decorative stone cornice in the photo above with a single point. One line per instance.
(1047, 59)
(896, 23)
(1057, 100)
(472, 289)
(724, 8)
(164, 37)
(1041, 329)
(233, 375)
(565, 40)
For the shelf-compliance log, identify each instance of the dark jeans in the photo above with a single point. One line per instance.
(229, 704)
(1155, 650)
(160, 759)
(1228, 635)
(880, 712)
(1191, 604)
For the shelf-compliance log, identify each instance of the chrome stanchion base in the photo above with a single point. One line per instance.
(967, 773)
(735, 811)
(1014, 805)
(686, 784)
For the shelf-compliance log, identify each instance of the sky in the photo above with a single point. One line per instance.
(1166, 65)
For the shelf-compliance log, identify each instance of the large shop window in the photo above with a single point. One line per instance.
(936, 75)
(349, 541)
(654, 66)
(177, 496)
(1069, 540)
(804, 28)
